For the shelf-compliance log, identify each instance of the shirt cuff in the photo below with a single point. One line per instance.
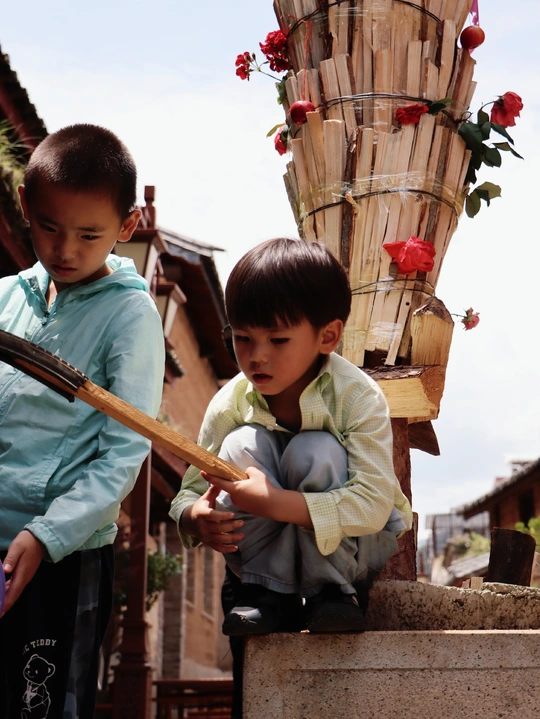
(177, 508)
(326, 525)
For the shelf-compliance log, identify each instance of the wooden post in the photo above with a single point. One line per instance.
(402, 565)
(132, 677)
(511, 557)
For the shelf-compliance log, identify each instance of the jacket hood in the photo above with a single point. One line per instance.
(36, 280)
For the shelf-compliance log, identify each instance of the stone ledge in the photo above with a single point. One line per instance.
(393, 675)
(399, 606)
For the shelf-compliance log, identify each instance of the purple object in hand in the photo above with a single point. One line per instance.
(2, 587)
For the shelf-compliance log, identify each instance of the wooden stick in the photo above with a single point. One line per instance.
(330, 84)
(334, 151)
(367, 83)
(344, 72)
(297, 147)
(447, 58)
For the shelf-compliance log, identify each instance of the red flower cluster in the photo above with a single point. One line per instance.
(415, 254)
(243, 65)
(506, 109)
(275, 50)
(471, 319)
(410, 114)
(280, 140)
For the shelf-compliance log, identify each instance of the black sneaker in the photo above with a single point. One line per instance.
(333, 611)
(262, 611)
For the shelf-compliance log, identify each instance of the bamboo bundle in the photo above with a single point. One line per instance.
(359, 179)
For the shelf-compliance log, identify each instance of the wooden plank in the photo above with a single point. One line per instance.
(150, 428)
(411, 391)
(422, 436)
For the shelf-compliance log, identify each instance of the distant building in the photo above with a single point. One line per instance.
(513, 499)
(445, 526)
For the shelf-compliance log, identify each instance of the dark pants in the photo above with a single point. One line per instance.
(230, 594)
(50, 639)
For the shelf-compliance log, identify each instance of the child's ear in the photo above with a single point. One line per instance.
(129, 225)
(331, 336)
(22, 198)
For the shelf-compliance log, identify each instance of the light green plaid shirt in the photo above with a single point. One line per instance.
(344, 401)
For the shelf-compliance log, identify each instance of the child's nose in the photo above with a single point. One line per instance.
(259, 353)
(65, 248)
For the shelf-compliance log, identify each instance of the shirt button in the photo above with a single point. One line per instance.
(270, 428)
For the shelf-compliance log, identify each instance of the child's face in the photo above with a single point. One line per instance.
(284, 357)
(74, 232)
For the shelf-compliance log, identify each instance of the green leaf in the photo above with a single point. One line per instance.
(485, 129)
(501, 130)
(472, 204)
(505, 146)
(470, 132)
(492, 189)
(274, 129)
(492, 157)
(282, 92)
(482, 117)
(483, 195)
(437, 105)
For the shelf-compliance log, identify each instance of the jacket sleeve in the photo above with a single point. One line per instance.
(134, 371)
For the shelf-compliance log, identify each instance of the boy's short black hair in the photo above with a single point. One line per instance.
(287, 280)
(85, 158)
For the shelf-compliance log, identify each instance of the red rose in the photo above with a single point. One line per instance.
(506, 109)
(243, 65)
(415, 254)
(410, 114)
(471, 319)
(275, 50)
(280, 140)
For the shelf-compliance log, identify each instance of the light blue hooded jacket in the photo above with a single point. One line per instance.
(65, 467)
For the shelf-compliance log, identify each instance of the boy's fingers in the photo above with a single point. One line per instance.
(211, 495)
(12, 559)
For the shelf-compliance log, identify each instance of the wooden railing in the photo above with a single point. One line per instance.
(186, 699)
(193, 698)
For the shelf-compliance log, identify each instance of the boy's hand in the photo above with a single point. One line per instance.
(22, 560)
(256, 495)
(212, 527)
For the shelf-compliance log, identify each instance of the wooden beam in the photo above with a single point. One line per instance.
(411, 391)
(422, 436)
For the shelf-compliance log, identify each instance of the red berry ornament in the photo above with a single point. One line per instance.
(299, 109)
(472, 37)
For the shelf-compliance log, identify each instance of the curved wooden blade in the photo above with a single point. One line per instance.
(69, 382)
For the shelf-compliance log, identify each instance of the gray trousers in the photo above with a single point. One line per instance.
(284, 557)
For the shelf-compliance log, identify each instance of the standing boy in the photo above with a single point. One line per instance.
(321, 511)
(65, 467)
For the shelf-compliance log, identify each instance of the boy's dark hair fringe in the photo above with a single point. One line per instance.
(287, 280)
(83, 158)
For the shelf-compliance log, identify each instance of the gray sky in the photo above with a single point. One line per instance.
(161, 75)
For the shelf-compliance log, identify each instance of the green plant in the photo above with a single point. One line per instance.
(161, 570)
(162, 567)
(12, 163)
(532, 528)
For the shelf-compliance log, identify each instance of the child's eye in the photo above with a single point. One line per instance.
(241, 338)
(279, 340)
(89, 237)
(46, 228)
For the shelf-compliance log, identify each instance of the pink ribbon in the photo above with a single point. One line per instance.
(474, 13)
